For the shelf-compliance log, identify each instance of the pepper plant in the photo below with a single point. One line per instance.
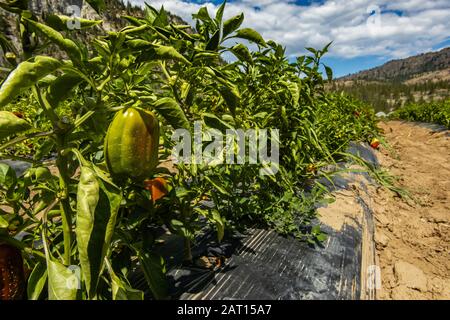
(96, 126)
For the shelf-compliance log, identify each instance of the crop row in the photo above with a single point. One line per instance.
(94, 203)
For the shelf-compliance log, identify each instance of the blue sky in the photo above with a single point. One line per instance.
(365, 33)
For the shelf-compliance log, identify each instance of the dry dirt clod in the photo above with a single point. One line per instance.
(381, 240)
(410, 276)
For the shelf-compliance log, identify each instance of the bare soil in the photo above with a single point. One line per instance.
(413, 236)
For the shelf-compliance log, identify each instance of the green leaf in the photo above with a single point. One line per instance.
(7, 176)
(312, 50)
(295, 92)
(206, 56)
(63, 283)
(37, 281)
(315, 229)
(44, 149)
(162, 19)
(10, 124)
(26, 74)
(171, 111)
(60, 89)
(57, 38)
(46, 81)
(150, 13)
(97, 5)
(214, 122)
(242, 53)
(213, 43)
(202, 14)
(180, 228)
(229, 119)
(231, 97)
(166, 52)
(154, 270)
(41, 174)
(139, 44)
(3, 223)
(120, 289)
(214, 217)
(135, 21)
(232, 24)
(321, 237)
(219, 224)
(98, 203)
(62, 22)
(279, 52)
(216, 183)
(14, 6)
(6, 44)
(219, 13)
(251, 35)
(300, 60)
(329, 73)
(325, 49)
(182, 33)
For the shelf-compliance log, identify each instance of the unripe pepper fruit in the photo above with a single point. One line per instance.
(131, 144)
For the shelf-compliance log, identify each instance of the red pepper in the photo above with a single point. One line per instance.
(157, 188)
(12, 276)
(375, 143)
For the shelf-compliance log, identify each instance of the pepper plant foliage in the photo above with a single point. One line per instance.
(71, 211)
(433, 112)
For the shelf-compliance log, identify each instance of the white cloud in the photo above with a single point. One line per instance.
(421, 25)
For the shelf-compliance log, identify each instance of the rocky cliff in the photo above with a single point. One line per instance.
(111, 17)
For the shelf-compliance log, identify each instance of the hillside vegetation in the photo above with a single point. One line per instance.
(418, 79)
(388, 96)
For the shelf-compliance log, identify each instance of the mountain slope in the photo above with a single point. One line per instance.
(406, 69)
(425, 77)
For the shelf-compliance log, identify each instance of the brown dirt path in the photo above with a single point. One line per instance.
(413, 237)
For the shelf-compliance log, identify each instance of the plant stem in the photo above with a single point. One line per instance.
(61, 163)
(187, 250)
(25, 137)
(51, 114)
(66, 212)
(187, 240)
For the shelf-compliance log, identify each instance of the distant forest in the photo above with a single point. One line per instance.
(388, 96)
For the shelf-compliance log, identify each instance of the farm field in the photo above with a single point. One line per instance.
(412, 237)
(142, 156)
